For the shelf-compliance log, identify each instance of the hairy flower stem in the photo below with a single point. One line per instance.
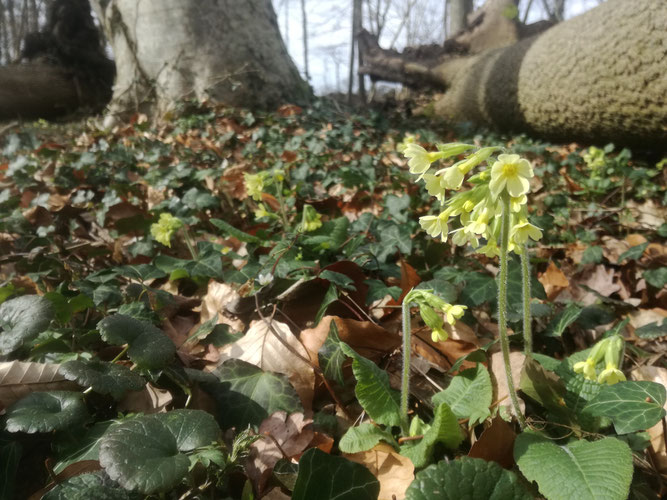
(405, 378)
(502, 308)
(527, 323)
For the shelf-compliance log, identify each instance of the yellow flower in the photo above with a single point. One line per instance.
(165, 228)
(611, 375)
(515, 203)
(452, 177)
(261, 211)
(524, 230)
(479, 224)
(311, 219)
(420, 159)
(491, 249)
(462, 237)
(409, 139)
(254, 185)
(586, 367)
(453, 312)
(435, 225)
(435, 187)
(439, 335)
(513, 172)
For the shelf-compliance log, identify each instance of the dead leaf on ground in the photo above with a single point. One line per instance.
(499, 375)
(613, 248)
(648, 215)
(368, 339)
(395, 472)
(217, 297)
(261, 347)
(292, 434)
(658, 375)
(150, 399)
(643, 317)
(18, 379)
(496, 444)
(602, 281)
(553, 280)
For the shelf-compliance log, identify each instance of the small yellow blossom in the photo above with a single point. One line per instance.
(587, 368)
(491, 249)
(311, 219)
(516, 203)
(453, 312)
(254, 185)
(611, 375)
(435, 186)
(435, 225)
(409, 139)
(513, 172)
(452, 177)
(420, 159)
(165, 228)
(524, 230)
(261, 211)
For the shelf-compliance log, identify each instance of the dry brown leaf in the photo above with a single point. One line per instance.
(658, 375)
(276, 494)
(498, 372)
(217, 297)
(643, 317)
(150, 399)
(395, 472)
(553, 280)
(261, 347)
(18, 379)
(496, 444)
(284, 437)
(613, 248)
(368, 339)
(602, 281)
(648, 215)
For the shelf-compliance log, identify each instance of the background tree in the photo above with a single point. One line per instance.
(598, 76)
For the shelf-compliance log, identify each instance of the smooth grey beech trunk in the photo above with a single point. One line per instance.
(228, 51)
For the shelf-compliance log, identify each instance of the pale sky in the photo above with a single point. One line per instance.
(329, 34)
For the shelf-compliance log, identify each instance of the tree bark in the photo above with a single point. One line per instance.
(458, 15)
(229, 51)
(597, 77)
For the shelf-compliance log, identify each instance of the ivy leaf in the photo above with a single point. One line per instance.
(469, 395)
(46, 411)
(141, 272)
(466, 477)
(363, 437)
(479, 288)
(373, 391)
(147, 453)
(329, 298)
(633, 253)
(656, 277)
(248, 394)
(149, 348)
(22, 319)
(599, 470)
(104, 378)
(331, 356)
(652, 330)
(444, 429)
(86, 486)
(325, 476)
(341, 280)
(632, 406)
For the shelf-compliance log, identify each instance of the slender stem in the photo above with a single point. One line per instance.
(188, 243)
(405, 379)
(527, 322)
(120, 354)
(281, 202)
(502, 308)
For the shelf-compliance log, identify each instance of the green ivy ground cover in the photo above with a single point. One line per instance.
(209, 308)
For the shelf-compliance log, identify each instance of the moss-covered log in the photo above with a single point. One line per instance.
(597, 77)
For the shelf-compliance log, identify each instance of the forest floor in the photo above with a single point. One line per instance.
(262, 284)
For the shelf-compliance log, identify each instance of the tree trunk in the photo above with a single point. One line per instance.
(597, 77)
(458, 15)
(229, 51)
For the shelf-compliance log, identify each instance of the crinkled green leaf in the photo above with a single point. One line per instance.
(103, 377)
(329, 298)
(479, 288)
(578, 470)
(324, 476)
(141, 272)
(95, 486)
(633, 253)
(146, 453)
(46, 411)
(656, 277)
(22, 319)
(469, 394)
(248, 394)
(77, 447)
(373, 391)
(363, 437)
(632, 406)
(236, 233)
(149, 347)
(331, 356)
(466, 478)
(444, 429)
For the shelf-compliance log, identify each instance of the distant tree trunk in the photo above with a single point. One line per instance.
(229, 51)
(354, 49)
(458, 15)
(304, 30)
(599, 76)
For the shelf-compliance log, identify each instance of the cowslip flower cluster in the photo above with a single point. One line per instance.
(435, 311)
(480, 207)
(165, 227)
(311, 219)
(611, 349)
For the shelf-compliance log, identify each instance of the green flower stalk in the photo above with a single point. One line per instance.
(431, 309)
(611, 349)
